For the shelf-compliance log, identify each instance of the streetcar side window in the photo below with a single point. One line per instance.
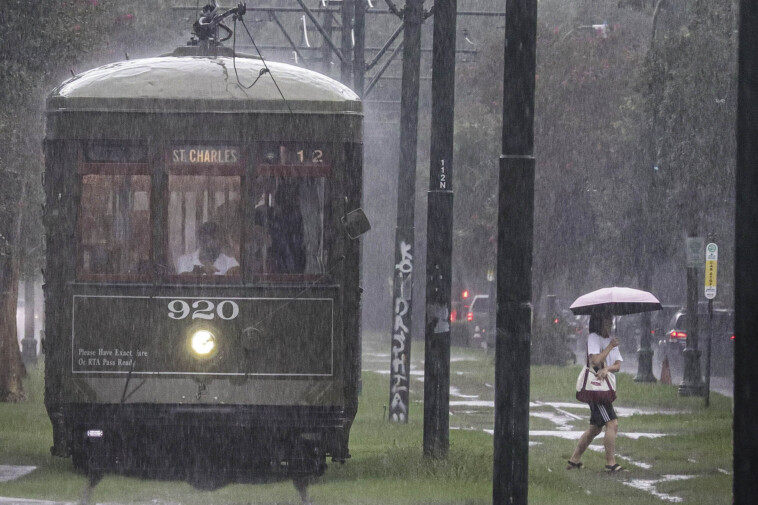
(114, 226)
(288, 229)
(204, 232)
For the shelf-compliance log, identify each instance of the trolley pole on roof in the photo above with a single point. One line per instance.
(514, 257)
(440, 235)
(745, 271)
(402, 288)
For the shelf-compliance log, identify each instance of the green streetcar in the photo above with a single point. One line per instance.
(202, 281)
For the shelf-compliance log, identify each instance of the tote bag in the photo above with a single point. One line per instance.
(591, 388)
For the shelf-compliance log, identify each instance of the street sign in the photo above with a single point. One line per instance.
(694, 249)
(711, 258)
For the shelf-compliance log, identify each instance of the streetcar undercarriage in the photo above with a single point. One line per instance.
(212, 444)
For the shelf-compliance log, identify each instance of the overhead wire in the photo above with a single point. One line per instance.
(264, 70)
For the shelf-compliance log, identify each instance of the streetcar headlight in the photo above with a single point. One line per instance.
(203, 343)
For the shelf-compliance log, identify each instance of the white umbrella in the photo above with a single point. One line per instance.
(616, 301)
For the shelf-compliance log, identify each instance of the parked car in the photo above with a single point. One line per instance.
(458, 325)
(722, 344)
(480, 322)
(660, 320)
(628, 329)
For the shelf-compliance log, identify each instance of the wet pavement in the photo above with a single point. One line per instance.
(13, 472)
(22, 501)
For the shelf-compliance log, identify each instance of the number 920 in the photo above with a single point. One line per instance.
(203, 309)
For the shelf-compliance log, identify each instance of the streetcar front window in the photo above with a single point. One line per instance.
(204, 232)
(114, 226)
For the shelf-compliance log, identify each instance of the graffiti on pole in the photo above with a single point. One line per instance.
(400, 359)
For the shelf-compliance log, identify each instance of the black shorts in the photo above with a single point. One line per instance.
(601, 413)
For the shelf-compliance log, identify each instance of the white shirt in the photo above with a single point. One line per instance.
(597, 344)
(188, 262)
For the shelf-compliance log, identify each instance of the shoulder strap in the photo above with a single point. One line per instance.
(602, 365)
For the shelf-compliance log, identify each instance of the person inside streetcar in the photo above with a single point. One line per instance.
(208, 258)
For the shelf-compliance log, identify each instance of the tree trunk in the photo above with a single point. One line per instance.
(12, 368)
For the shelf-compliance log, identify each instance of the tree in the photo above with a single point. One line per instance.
(582, 145)
(40, 43)
(690, 105)
(10, 356)
(601, 94)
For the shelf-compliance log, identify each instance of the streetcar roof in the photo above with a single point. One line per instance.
(202, 83)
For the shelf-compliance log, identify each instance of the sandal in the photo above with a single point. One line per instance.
(614, 468)
(574, 466)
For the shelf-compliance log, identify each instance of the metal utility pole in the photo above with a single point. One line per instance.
(440, 234)
(359, 50)
(745, 268)
(402, 289)
(692, 380)
(514, 257)
(346, 35)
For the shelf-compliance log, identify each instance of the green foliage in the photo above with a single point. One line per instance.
(41, 44)
(608, 110)
(691, 101)
(550, 343)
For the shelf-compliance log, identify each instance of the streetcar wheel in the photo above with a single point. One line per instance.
(79, 459)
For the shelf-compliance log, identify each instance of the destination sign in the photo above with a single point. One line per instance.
(205, 155)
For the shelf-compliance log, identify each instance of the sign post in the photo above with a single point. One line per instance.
(692, 380)
(711, 268)
(711, 259)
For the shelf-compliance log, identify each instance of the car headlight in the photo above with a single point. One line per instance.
(203, 343)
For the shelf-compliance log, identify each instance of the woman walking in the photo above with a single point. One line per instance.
(605, 358)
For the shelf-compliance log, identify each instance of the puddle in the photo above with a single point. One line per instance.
(620, 411)
(455, 359)
(574, 435)
(649, 486)
(639, 464)
(637, 436)
(473, 403)
(562, 422)
(24, 501)
(13, 472)
(454, 391)
(376, 355)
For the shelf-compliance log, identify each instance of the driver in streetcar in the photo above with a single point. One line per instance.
(208, 258)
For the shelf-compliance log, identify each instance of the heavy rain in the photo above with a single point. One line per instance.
(334, 251)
